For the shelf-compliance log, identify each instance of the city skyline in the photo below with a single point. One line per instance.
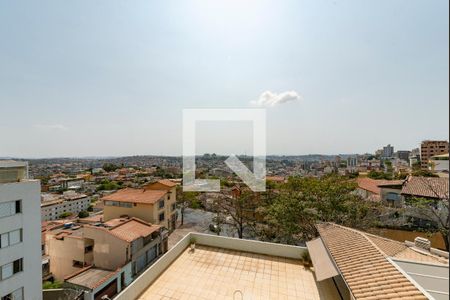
(89, 79)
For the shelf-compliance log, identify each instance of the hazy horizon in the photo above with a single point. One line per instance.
(111, 78)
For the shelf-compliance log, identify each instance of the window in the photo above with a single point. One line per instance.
(10, 238)
(16, 295)
(88, 249)
(161, 217)
(118, 204)
(174, 207)
(161, 203)
(10, 208)
(10, 269)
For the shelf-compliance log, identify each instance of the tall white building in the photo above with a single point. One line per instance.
(20, 233)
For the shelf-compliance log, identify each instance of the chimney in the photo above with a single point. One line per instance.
(422, 243)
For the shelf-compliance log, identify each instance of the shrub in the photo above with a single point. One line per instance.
(83, 214)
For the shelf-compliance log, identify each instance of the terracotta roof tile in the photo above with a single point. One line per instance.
(133, 229)
(136, 196)
(431, 187)
(365, 268)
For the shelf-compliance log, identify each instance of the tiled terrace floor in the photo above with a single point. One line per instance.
(212, 273)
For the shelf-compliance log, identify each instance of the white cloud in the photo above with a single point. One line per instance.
(269, 99)
(51, 126)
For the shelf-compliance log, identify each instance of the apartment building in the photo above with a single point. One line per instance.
(54, 205)
(102, 258)
(20, 255)
(429, 149)
(154, 203)
(388, 151)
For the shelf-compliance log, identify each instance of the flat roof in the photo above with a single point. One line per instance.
(12, 164)
(217, 273)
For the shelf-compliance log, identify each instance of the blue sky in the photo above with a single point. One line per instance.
(82, 78)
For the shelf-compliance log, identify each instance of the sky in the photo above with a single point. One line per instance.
(111, 78)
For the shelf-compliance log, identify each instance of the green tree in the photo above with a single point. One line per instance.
(241, 208)
(65, 215)
(109, 167)
(303, 202)
(83, 214)
(435, 209)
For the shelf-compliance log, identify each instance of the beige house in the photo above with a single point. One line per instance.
(154, 203)
(107, 246)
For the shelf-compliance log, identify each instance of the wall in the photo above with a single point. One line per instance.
(109, 251)
(142, 282)
(30, 249)
(62, 254)
(141, 211)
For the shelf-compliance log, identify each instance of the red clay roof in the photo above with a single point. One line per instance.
(373, 185)
(136, 196)
(133, 229)
(430, 187)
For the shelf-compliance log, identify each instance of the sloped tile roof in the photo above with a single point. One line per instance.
(430, 187)
(364, 267)
(136, 196)
(133, 229)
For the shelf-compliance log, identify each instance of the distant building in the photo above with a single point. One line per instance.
(20, 255)
(431, 148)
(53, 206)
(403, 155)
(388, 151)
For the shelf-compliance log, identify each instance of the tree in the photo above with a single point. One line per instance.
(434, 208)
(424, 173)
(303, 202)
(241, 207)
(83, 214)
(65, 215)
(109, 167)
(184, 200)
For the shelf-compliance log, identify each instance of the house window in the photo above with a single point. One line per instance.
(174, 207)
(161, 203)
(161, 217)
(10, 269)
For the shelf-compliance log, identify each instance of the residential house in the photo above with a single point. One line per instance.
(154, 203)
(102, 258)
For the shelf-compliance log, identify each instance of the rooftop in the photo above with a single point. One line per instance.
(133, 229)
(364, 261)
(214, 273)
(227, 268)
(430, 187)
(130, 195)
(12, 164)
(90, 277)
